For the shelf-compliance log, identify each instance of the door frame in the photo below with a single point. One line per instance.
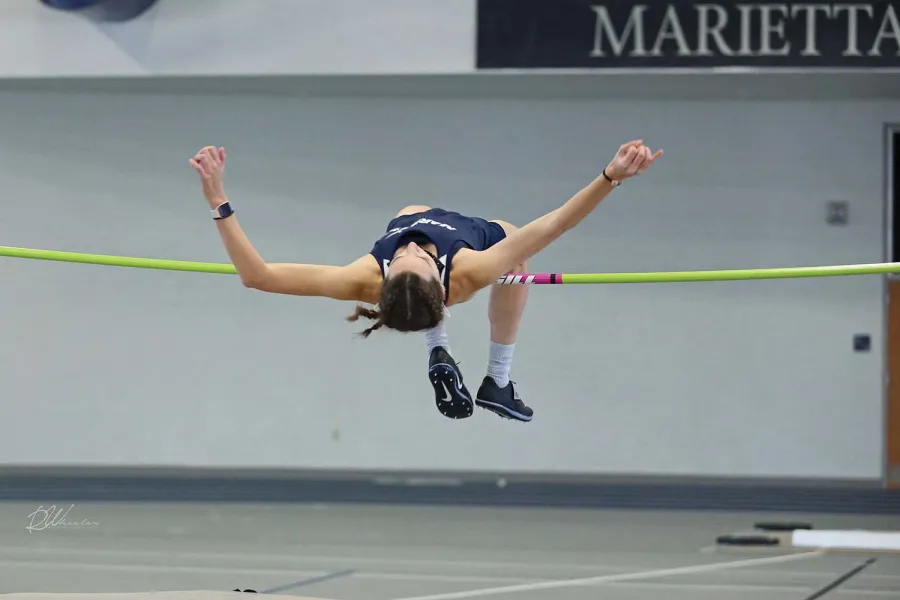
(889, 130)
(890, 472)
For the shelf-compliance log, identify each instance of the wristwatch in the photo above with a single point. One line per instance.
(614, 182)
(222, 211)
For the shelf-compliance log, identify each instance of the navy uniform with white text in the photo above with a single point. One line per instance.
(450, 231)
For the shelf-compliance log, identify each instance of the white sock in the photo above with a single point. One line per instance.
(436, 337)
(500, 363)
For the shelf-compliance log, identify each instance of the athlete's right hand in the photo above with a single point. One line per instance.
(209, 162)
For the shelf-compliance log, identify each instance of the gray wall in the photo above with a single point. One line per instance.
(102, 365)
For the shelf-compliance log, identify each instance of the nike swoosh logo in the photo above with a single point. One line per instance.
(457, 378)
(449, 397)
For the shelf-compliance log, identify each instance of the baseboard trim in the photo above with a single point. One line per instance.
(115, 484)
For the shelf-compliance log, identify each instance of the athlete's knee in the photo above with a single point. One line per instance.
(411, 210)
(508, 228)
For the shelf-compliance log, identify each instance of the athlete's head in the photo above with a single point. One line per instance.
(412, 296)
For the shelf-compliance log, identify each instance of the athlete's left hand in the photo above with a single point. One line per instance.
(632, 159)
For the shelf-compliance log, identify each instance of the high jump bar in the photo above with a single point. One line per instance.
(508, 279)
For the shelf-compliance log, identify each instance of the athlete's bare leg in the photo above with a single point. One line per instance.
(506, 307)
(507, 304)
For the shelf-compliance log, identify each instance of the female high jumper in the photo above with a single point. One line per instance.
(429, 259)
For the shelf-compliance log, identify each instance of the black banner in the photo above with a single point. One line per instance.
(572, 34)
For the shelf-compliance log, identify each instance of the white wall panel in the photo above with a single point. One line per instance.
(103, 365)
(241, 37)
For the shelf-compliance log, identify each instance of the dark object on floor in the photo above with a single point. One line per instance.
(747, 540)
(246, 591)
(782, 526)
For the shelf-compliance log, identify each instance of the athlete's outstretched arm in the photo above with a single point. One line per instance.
(349, 282)
(481, 269)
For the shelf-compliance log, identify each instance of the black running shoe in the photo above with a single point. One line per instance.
(452, 398)
(503, 401)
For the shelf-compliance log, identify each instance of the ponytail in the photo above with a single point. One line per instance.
(368, 313)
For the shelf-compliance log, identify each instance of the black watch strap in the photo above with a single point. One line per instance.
(222, 211)
(611, 180)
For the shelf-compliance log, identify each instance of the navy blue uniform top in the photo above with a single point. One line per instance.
(447, 230)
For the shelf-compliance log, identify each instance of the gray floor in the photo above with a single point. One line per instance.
(392, 553)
